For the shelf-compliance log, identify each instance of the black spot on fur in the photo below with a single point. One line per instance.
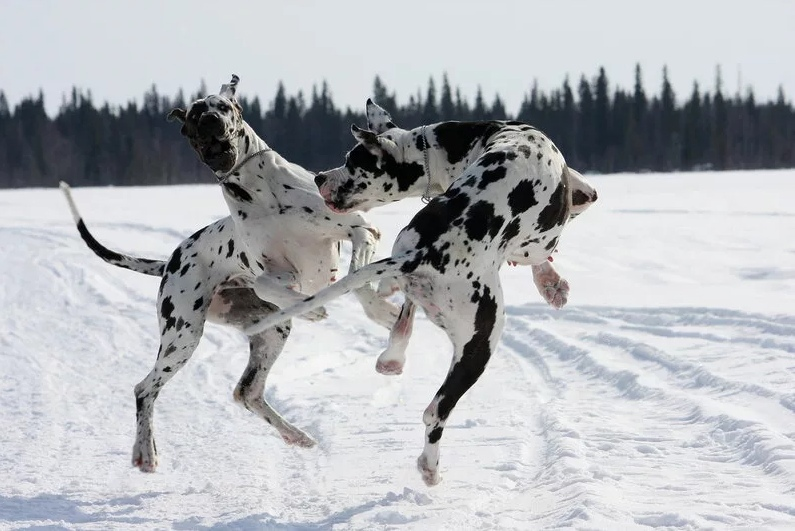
(184, 270)
(435, 434)
(430, 223)
(230, 249)
(237, 192)
(458, 138)
(474, 358)
(556, 212)
(361, 157)
(524, 150)
(420, 142)
(552, 243)
(167, 313)
(522, 197)
(245, 381)
(510, 232)
(491, 176)
(480, 220)
(198, 304)
(493, 158)
(244, 259)
(174, 262)
(308, 210)
(195, 236)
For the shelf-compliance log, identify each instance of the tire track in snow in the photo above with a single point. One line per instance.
(713, 430)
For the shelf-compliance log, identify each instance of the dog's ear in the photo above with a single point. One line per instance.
(378, 120)
(228, 90)
(368, 138)
(177, 114)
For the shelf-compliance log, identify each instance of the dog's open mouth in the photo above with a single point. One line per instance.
(341, 209)
(218, 154)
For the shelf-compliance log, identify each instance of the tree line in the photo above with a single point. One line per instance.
(598, 128)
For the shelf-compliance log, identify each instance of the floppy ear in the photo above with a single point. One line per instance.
(228, 90)
(368, 138)
(378, 120)
(177, 114)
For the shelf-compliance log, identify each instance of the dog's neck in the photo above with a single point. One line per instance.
(450, 146)
(261, 179)
(249, 144)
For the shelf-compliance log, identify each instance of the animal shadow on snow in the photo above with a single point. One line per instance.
(258, 522)
(62, 508)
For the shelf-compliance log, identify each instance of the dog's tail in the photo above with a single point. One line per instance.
(386, 268)
(140, 265)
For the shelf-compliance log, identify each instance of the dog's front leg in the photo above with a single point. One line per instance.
(364, 239)
(278, 289)
(551, 286)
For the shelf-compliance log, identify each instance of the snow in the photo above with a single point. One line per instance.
(661, 397)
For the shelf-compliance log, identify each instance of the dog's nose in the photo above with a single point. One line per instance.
(320, 179)
(210, 125)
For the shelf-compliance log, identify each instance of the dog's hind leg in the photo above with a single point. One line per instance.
(474, 324)
(391, 361)
(181, 324)
(241, 308)
(264, 349)
(185, 295)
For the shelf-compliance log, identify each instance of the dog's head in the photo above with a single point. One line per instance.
(213, 125)
(380, 169)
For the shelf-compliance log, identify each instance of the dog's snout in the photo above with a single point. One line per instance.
(320, 179)
(210, 125)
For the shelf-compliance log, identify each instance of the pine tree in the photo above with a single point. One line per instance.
(446, 105)
(430, 111)
(601, 113)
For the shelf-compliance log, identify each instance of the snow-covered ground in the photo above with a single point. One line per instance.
(662, 396)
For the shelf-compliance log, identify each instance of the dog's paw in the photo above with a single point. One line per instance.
(298, 438)
(318, 314)
(389, 367)
(144, 459)
(430, 475)
(557, 295)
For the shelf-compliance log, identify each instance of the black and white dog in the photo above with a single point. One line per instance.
(506, 194)
(280, 244)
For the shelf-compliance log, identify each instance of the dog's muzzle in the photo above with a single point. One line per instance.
(210, 125)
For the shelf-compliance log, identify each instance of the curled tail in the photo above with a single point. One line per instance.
(140, 265)
(385, 268)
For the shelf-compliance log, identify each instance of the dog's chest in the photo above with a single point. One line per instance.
(314, 263)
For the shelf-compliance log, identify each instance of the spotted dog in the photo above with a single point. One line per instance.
(378, 188)
(505, 194)
(279, 245)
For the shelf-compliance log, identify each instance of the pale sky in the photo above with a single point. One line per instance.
(119, 48)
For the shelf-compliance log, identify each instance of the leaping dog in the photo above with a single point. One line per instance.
(506, 194)
(279, 244)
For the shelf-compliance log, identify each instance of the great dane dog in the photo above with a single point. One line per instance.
(280, 244)
(505, 195)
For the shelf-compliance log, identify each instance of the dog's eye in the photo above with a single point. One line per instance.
(223, 107)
